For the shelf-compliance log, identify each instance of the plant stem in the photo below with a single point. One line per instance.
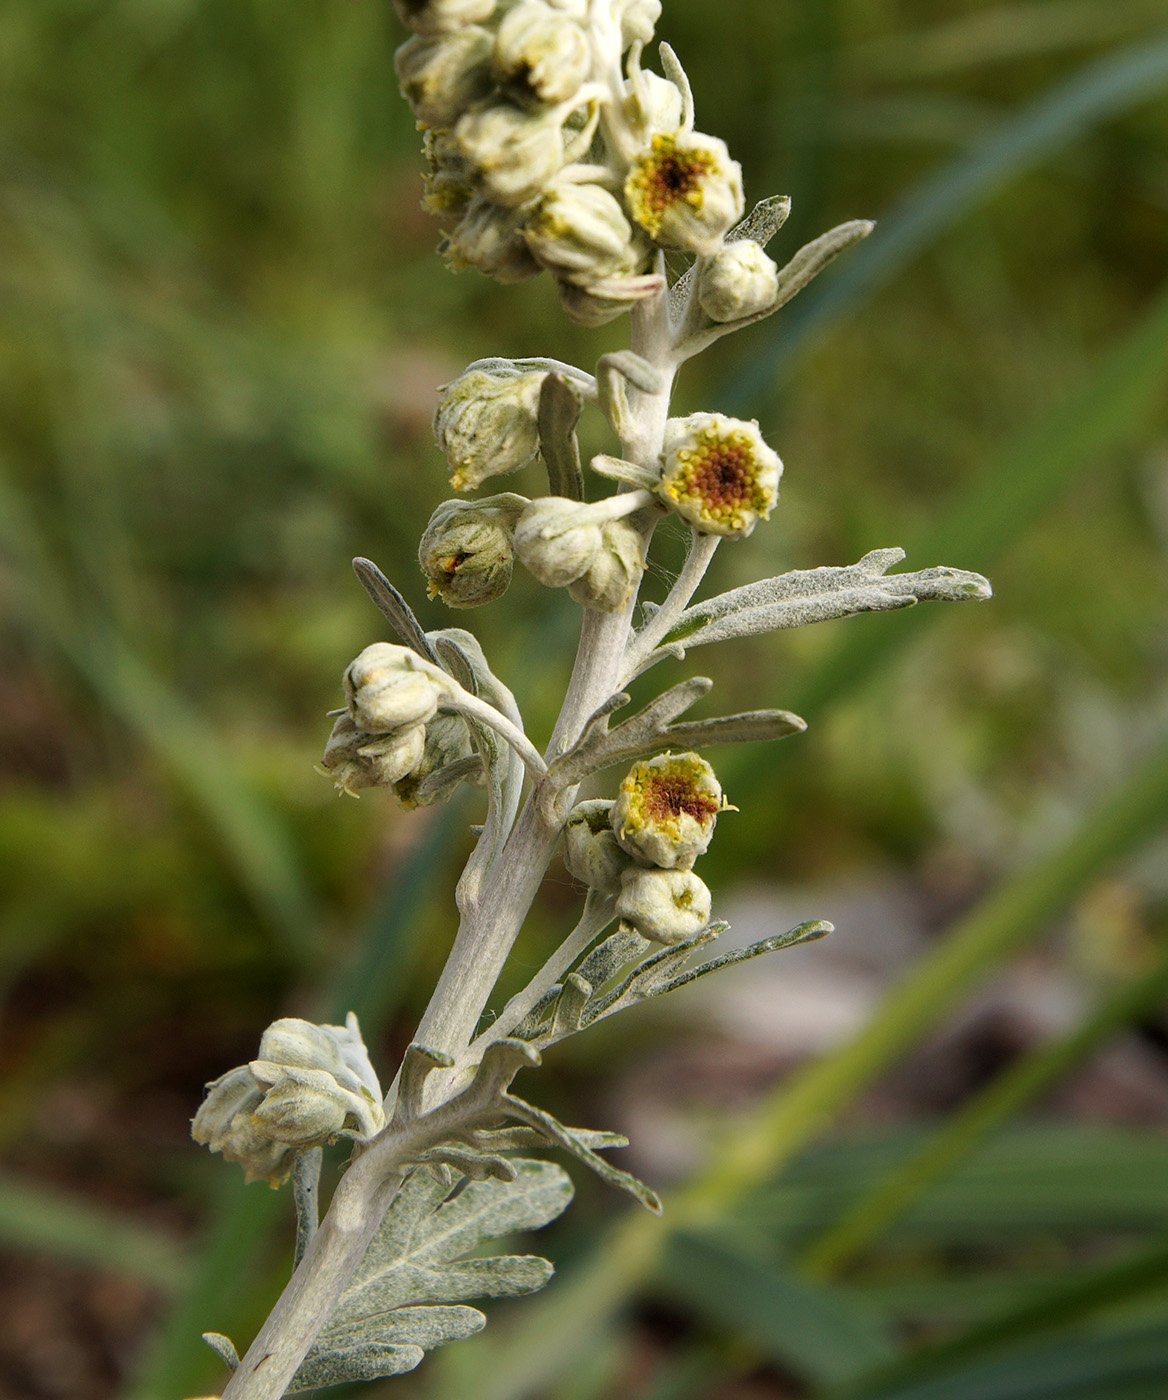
(480, 950)
(697, 561)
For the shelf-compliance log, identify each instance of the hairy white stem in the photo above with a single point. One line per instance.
(697, 561)
(598, 914)
(464, 703)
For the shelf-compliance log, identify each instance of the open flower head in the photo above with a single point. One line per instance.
(719, 474)
(685, 191)
(665, 812)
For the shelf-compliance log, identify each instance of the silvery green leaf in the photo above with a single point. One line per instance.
(753, 726)
(555, 1132)
(305, 1193)
(760, 225)
(818, 595)
(462, 770)
(627, 473)
(570, 1004)
(559, 412)
(614, 373)
(600, 747)
(418, 1063)
(224, 1348)
(661, 974)
(671, 67)
(611, 956)
(503, 1139)
(394, 608)
(369, 1362)
(404, 1293)
(478, 1166)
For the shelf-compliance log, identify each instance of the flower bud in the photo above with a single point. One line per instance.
(309, 1085)
(685, 191)
(638, 20)
(488, 237)
(441, 77)
(654, 104)
(718, 473)
(738, 280)
(601, 301)
(666, 906)
(356, 760)
(615, 570)
(487, 423)
(442, 16)
(557, 539)
(591, 851)
(388, 689)
(447, 193)
(579, 231)
(513, 154)
(541, 56)
(447, 741)
(665, 811)
(466, 552)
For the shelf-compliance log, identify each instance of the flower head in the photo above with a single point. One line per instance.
(390, 688)
(739, 280)
(440, 77)
(616, 568)
(466, 550)
(356, 760)
(487, 420)
(666, 906)
(718, 473)
(541, 56)
(591, 851)
(442, 16)
(685, 191)
(665, 812)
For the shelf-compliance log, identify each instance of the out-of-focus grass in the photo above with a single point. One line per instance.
(222, 322)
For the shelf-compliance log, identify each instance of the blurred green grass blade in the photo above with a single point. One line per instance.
(1025, 479)
(1128, 1365)
(1064, 1305)
(1099, 90)
(1035, 1181)
(823, 1336)
(252, 837)
(45, 1220)
(807, 1103)
(1003, 922)
(965, 1130)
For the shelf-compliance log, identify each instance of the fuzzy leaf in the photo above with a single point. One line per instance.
(817, 595)
(559, 412)
(406, 1295)
(224, 1348)
(394, 608)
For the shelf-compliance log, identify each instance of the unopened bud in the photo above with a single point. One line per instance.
(442, 16)
(718, 473)
(654, 104)
(541, 56)
(389, 688)
(591, 851)
(447, 741)
(557, 539)
(665, 811)
(441, 77)
(447, 192)
(601, 301)
(738, 280)
(666, 906)
(488, 237)
(487, 423)
(638, 20)
(356, 760)
(466, 550)
(512, 153)
(685, 191)
(615, 570)
(580, 231)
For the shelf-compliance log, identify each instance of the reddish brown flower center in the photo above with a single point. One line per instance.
(673, 176)
(669, 795)
(722, 477)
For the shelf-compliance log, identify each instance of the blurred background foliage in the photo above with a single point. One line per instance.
(221, 327)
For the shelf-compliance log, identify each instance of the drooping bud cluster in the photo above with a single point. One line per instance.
(595, 551)
(308, 1085)
(641, 848)
(549, 147)
(391, 723)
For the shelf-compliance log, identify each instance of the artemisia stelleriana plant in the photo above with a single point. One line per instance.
(551, 148)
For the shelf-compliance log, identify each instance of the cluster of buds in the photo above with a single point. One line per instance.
(309, 1085)
(390, 734)
(596, 551)
(641, 848)
(550, 148)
